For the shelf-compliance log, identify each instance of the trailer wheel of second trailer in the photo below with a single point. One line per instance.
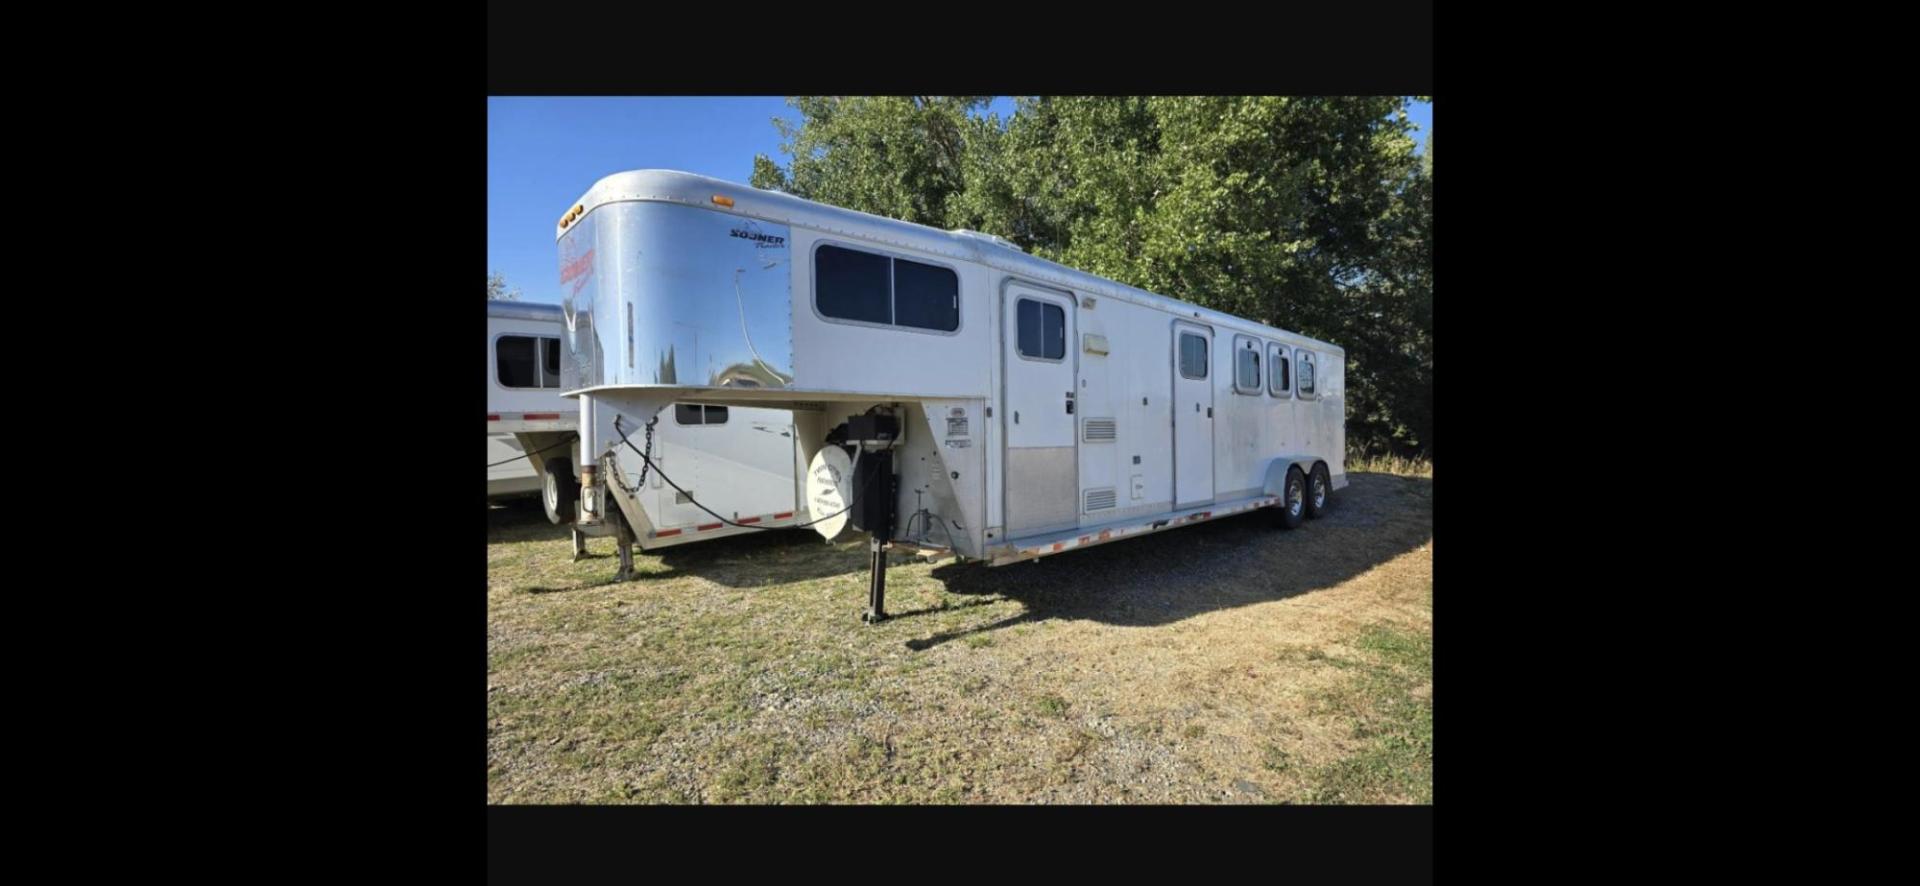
(560, 491)
(1318, 488)
(1293, 499)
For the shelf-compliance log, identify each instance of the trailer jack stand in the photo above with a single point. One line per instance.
(623, 536)
(579, 545)
(877, 583)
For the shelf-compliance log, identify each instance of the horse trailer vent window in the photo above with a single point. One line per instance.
(695, 414)
(1193, 355)
(1280, 385)
(1306, 373)
(1099, 430)
(522, 361)
(1101, 499)
(1246, 366)
(1042, 329)
(869, 288)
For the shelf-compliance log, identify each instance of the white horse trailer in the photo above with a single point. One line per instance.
(740, 456)
(1004, 407)
(525, 411)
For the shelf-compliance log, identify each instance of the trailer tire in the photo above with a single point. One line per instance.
(559, 491)
(1319, 488)
(1293, 494)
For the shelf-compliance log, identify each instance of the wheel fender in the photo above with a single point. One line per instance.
(1276, 484)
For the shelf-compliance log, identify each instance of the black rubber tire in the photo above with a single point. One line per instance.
(1319, 491)
(559, 491)
(1292, 507)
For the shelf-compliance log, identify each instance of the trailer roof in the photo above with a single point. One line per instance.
(508, 309)
(669, 186)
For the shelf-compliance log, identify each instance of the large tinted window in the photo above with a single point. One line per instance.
(515, 362)
(1041, 329)
(851, 285)
(854, 285)
(1193, 355)
(925, 296)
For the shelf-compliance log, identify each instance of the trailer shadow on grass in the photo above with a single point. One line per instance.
(1161, 578)
(747, 560)
(757, 558)
(1231, 562)
(520, 519)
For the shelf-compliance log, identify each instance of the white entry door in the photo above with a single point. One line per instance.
(1192, 414)
(1042, 473)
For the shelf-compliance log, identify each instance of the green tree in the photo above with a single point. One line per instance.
(1312, 214)
(497, 288)
(902, 157)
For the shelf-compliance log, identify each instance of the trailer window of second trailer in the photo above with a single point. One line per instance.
(1280, 382)
(523, 361)
(1246, 366)
(1193, 356)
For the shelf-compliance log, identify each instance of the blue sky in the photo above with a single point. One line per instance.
(543, 153)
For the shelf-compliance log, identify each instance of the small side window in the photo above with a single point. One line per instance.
(1280, 381)
(1246, 365)
(516, 361)
(697, 414)
(1193, 355)
(1306, 373)
(1041, 329)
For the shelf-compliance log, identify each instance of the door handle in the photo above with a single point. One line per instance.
(1209, 412)
(1069, 407)
(1016, 416)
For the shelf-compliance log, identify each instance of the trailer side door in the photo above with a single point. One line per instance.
(1192, 414)
(1042, 464)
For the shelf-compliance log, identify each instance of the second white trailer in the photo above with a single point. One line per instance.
(740, 458)
(949, 391)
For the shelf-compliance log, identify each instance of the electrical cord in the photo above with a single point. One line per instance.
(695, 502)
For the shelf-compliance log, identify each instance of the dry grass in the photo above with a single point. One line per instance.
(1397, 465)
(1225, 662)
